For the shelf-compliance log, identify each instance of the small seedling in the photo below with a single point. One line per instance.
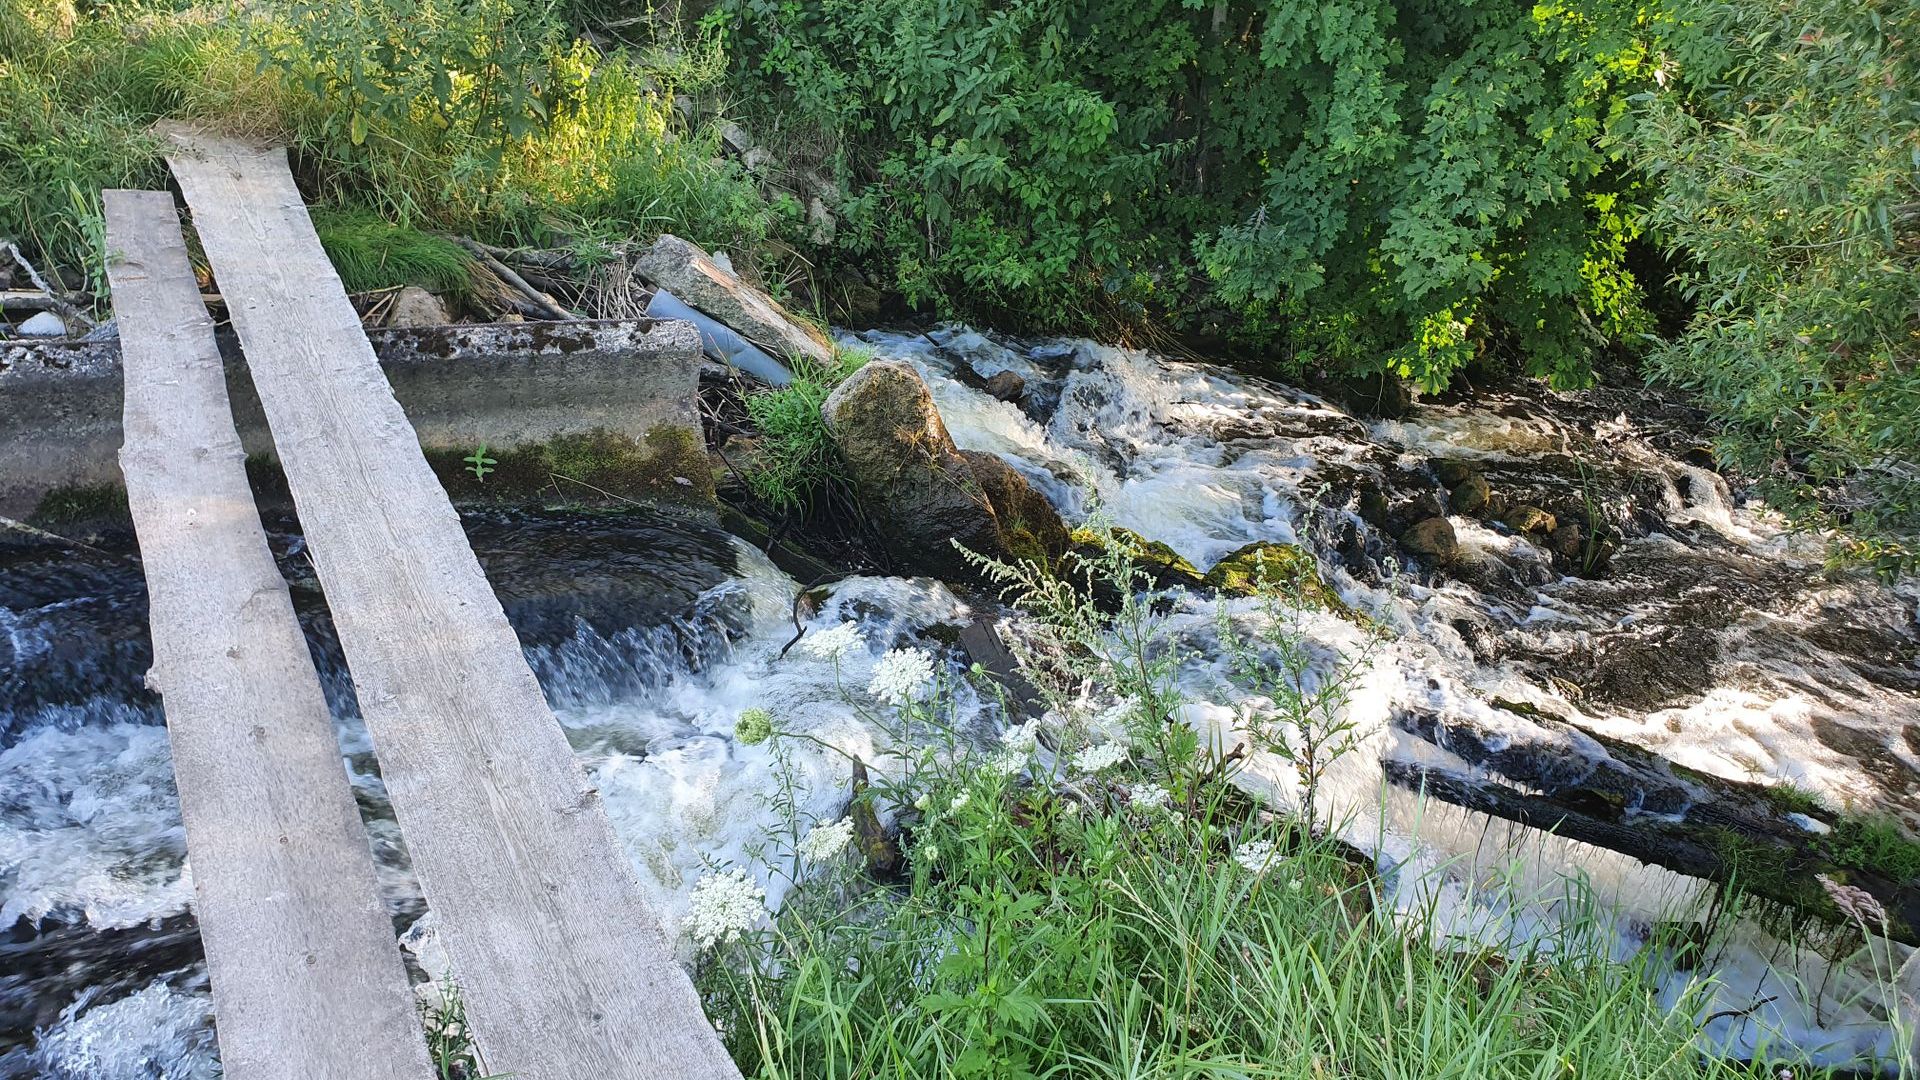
(479, 464)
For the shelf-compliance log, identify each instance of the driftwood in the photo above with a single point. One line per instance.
(1616, 795)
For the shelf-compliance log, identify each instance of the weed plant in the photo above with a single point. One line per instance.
(798, 462)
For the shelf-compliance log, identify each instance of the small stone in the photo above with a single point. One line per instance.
(1471, 494)
(1451, 473)
(44, 324)
(1567, 541)
(1374, 508)
(1432, 539)
(415, 306)
(1006, 385)
(1527, 518)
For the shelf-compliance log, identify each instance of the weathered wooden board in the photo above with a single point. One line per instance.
(565, 969)
(307, 979)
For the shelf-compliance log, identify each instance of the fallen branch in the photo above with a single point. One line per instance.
(531, 302)
(68, 311)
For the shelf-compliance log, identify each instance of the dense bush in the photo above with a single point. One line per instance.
(1386, 183)
(1789, 173)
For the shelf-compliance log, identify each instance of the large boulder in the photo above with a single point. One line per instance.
(688, 272)
(920, 491)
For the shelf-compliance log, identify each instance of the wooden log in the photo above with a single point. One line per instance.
(1616, 795)
(307, 978)
(566, 972)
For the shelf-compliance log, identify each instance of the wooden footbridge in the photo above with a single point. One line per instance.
(564, 969)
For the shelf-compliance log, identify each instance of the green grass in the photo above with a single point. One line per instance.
(798, 460)
(373, 253)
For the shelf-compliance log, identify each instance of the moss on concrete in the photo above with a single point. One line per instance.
(81, 505)
(669, 466)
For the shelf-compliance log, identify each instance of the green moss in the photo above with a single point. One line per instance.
(670, 465)
(77, 504)
(1877, 846)
(1161, 562)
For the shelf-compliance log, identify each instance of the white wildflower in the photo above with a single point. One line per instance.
(825, 842)
(1006, 763)
(961, 800)
(1151, 797)
(930, 852)
(1099, 758)
(1023, 739)
(1254, 856)
(924, 802)
(1070, 809)
(1114, 719)
(833, 644)
(901, 676)
(724, 903)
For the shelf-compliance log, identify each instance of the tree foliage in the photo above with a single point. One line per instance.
(1397, 184)
(1789, 173)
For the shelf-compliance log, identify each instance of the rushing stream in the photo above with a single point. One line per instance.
(1712, 638)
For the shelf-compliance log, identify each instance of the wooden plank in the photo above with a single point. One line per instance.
(565, 969)
(307, 978)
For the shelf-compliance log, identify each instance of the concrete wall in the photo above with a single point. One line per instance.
(616, 398)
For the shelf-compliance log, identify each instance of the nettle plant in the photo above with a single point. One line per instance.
(479, 73)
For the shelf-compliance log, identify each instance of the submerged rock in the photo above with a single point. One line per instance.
(1527, 518)
(922, 492)
(1006, 385)
(1471, 494)
(1433, 540)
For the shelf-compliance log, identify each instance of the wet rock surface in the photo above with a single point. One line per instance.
(922, 494)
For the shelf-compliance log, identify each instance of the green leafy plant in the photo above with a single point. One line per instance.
(1383, 184)
(479, 464)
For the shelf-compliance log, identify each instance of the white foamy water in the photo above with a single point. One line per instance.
(1206, 462)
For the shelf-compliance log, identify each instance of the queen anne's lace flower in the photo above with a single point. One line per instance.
(1254, 856)
(1100, 758)
(833, 644)
(755, 726)
(1006, 763)
(826, 842)
(961, 800)
(724, 903)
(901, 676)
(1151, 797)
(1022, 739)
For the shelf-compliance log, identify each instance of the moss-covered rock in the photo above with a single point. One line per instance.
(1267, 565)
(1164, 567)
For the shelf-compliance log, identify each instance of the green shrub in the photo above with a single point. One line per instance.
(1789, 178)
(1392, 184)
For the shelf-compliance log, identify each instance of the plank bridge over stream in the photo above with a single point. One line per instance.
(564, 969)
